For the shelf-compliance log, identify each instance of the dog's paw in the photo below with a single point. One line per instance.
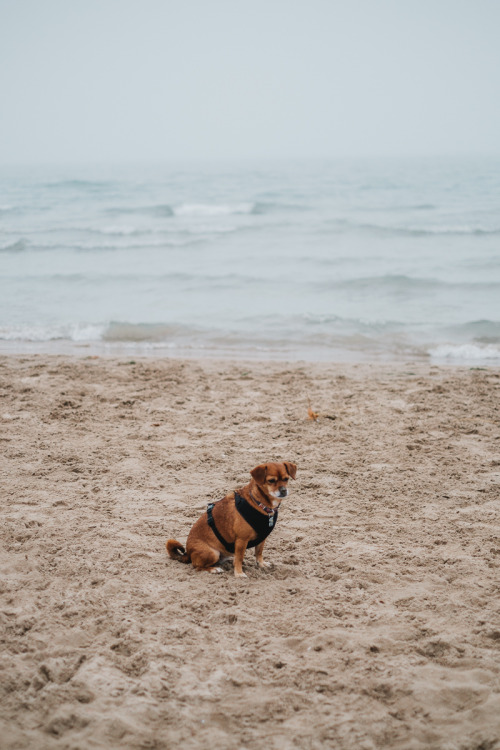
(241, 575)
(216, 570)
(264, 564)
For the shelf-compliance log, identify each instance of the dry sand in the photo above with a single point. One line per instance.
(377, 625)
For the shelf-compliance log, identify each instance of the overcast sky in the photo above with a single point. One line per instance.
(134, 80)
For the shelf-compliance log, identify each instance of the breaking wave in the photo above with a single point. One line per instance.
(466, 352)
(76, 332)
(206, 210)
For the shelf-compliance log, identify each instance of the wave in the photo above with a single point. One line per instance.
(318, 328)
(117, 332)
(177, 335)
(262, 342)
(15, 247)
(129, 230)
(466, 352)
(165, 210)
(77, 332)
(115, 231)
(166, 335)
(400, 283)
(328, 337)
(480, 331)
(166, 243)
(70, 230)
(177, 242)
(344, 225)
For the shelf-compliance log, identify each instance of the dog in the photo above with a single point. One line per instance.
(244, 518)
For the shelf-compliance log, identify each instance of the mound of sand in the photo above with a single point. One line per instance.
(377, 625)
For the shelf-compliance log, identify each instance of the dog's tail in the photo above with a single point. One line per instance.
(176, 551)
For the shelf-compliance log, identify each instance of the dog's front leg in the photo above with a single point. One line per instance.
(258, 555)
(239, 550)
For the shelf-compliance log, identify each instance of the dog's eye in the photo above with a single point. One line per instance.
(271, 481)
(285, 479)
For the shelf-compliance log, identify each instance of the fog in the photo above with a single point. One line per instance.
(125, 81)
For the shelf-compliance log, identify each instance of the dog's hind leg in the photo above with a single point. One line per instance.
(204, 558)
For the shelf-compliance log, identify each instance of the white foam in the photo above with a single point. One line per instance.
(74, 332)
(466, 352)
(82, 332)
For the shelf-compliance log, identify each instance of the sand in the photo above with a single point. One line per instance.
(377, 624)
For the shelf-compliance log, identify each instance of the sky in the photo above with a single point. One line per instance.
(158, 80)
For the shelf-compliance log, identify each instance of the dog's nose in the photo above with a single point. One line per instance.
(283, 492)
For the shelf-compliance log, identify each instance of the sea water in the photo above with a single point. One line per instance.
(325, 260)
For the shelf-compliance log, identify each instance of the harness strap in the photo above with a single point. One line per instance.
(228, 545)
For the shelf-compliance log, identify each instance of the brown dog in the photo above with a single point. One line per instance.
(242, 519)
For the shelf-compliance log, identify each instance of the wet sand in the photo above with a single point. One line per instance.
(378, 623)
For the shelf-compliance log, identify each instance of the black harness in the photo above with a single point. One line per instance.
(261, 524)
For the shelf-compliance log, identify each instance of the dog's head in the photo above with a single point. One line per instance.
(273, 479)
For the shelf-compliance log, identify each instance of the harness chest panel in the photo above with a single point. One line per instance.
(261, 524)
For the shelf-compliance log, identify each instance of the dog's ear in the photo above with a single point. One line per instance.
(259, 473)
(291, 468)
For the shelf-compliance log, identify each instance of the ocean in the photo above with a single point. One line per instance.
(348, 260)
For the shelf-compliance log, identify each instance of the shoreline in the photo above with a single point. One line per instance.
(376, 623)
(330, 356)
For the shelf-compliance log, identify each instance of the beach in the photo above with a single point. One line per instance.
(376, 625)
